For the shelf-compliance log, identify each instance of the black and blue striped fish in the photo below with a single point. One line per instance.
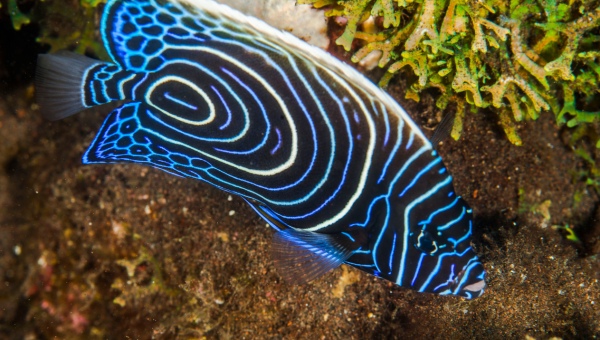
(329, 160)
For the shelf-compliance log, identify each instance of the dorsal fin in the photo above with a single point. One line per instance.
(443, 130)
(302, 256)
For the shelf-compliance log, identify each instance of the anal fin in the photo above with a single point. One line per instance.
(302, 256)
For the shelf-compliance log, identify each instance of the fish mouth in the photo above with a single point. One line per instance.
(476, 286)
(470, 282)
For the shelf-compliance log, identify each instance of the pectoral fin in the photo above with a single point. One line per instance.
(266, 213)
(302, 256)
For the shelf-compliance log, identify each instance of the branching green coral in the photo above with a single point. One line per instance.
(82, 29)
(17, 17)
(63, 25)
(590, 172)
(521, 57)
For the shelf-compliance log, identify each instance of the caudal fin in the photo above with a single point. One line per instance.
(59, 83)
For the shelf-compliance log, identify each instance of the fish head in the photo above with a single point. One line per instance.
(448, 264)
(470, 281)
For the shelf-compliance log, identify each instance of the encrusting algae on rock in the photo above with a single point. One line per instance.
(63, 25)
(522, 58)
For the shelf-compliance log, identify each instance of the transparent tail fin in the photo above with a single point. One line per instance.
(59, 83)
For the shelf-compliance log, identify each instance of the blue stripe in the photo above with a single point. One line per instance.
(420, 174)
(450, 223)
(392, 253)
(418, 269)
(407, 212)
(438, 211)
(179, 101)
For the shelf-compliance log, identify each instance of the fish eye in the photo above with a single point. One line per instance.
(425, 243)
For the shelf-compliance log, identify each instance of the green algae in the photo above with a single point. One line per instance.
(63, 25)
(569, 232)
(589, 172)
(519, 58)
(17, 17)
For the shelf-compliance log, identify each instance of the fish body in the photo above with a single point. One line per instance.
(329, 160)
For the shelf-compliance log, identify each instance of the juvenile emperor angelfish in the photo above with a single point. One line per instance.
(328, 159)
